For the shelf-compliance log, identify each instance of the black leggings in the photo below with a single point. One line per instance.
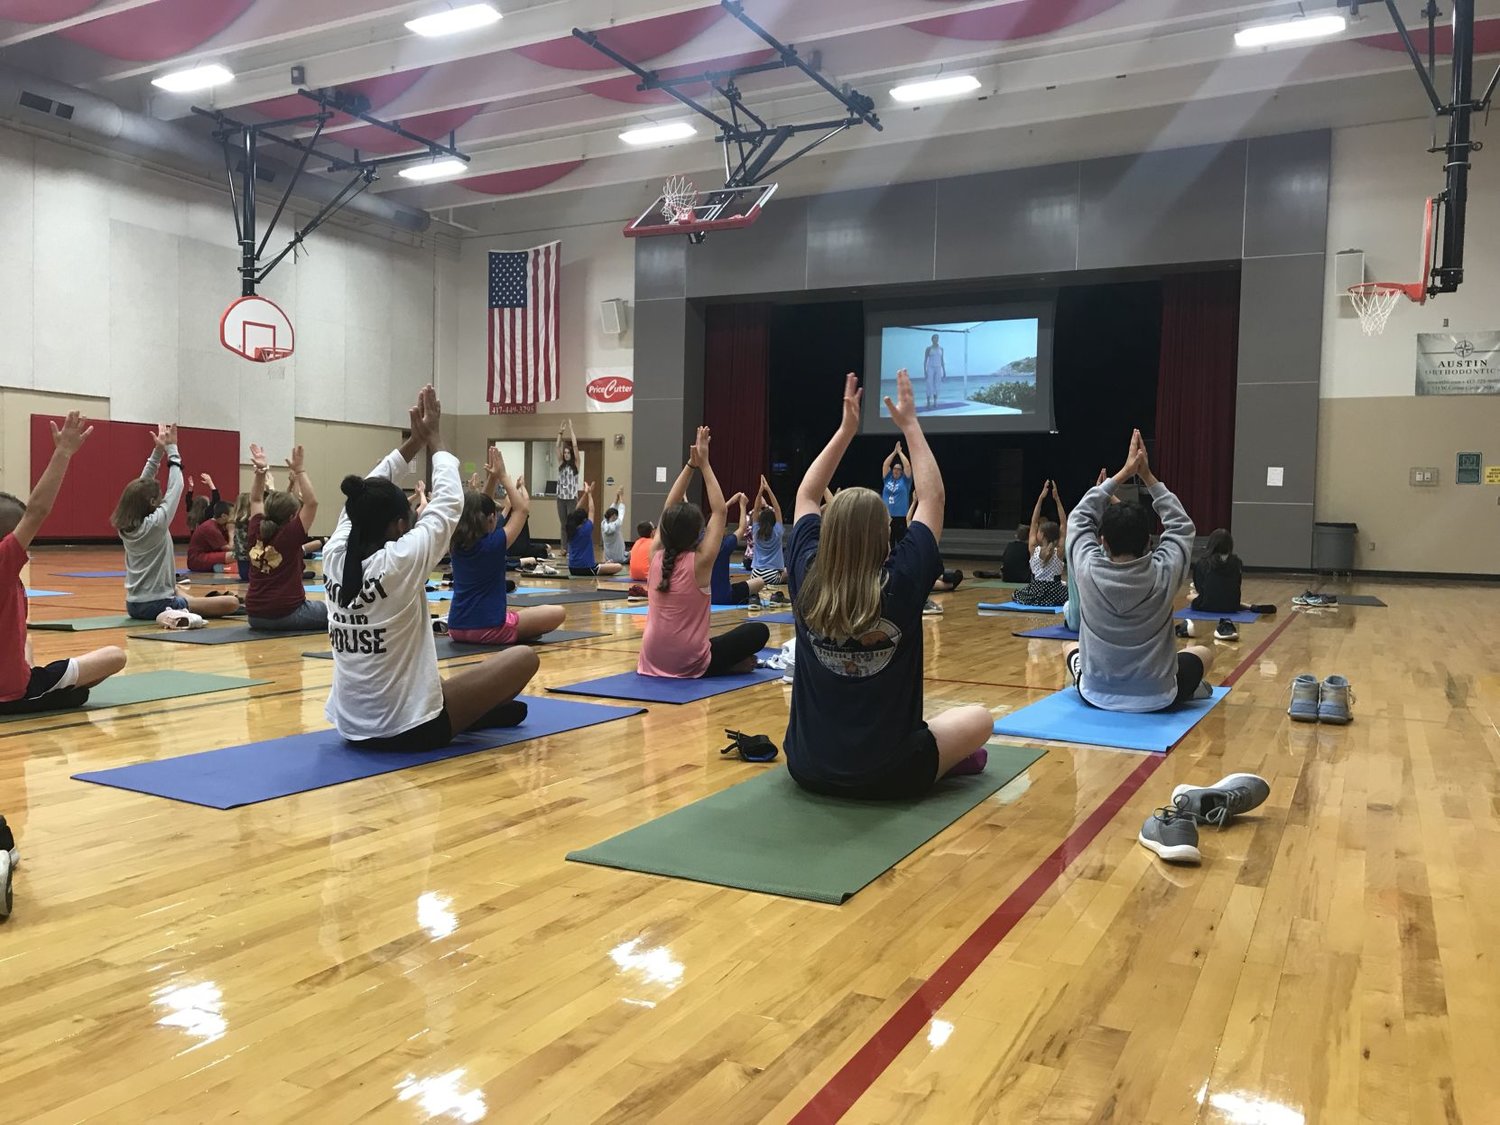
(728, 650)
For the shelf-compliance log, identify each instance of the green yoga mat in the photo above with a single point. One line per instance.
(993, 584)
(147, 687)
(770, 835)
(85, 624)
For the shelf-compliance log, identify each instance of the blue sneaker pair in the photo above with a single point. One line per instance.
(1326, 702)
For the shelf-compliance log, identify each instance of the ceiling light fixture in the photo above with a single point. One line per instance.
(933, 88)
(195, 78)
(1289, 31)
(451, 21)
(434, 170)
(658, 134)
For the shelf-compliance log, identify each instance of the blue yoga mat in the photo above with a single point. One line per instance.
(262, 771)
(640, 610)
(776, 618)
(1051, 633)
(1017, 607)
(91, 574)
(1242, 617)
(49, 593)
(440, 595)
(663, 689)
(1065, 717)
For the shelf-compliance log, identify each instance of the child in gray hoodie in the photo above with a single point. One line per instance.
(1126, 658)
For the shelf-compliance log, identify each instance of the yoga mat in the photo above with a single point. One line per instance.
(770, 835)
(1050, 633)
(565, 597)
(640, 610)
(784, 618)
(85, 624)
(448, 649)
(148, 687)
(49, 593)
(664, 689)
(1065, 717)
(262, 771)
(1241, 617)
(440, 595)
(102, 573)
(993, 584)
(1017, 607)
(1359, 599)
(219, 635)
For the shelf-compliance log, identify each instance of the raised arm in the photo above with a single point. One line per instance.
(890, 459)
(299, 477)
(905, 464)
(494, 470)
(742, 528)
(520, 503)
(926, 477)
(1034, 538)
(166, 440)
(713, 534)
(821, 471)
(1062, 513)
(770, 495)
(258, 486)
(1175, 547)
(586, 500)
(66, 441)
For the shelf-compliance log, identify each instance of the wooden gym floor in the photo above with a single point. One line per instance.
(414, 947)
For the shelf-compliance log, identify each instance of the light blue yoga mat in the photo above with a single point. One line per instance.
(49, 593)
(279, 767)
(640, 610)
(1065, 717)
(1241, 617)
(1050, 633)
(1017, 607)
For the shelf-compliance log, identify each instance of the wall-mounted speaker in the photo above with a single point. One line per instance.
(612, 317)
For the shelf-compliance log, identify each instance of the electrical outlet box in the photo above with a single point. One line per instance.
(1424, 478)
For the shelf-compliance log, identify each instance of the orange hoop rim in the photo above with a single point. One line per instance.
(1417, 294)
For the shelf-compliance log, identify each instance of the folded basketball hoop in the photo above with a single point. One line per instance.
(683, 209)
(1374, 301)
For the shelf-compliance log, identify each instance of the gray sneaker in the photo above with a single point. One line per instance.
(1334, 697)
(1222, 801)
(1304, 706)
(1172, 836)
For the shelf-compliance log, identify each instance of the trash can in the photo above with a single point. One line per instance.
(1333, 546)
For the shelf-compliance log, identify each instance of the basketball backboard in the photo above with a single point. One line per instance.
(702, 212)
(256, 329)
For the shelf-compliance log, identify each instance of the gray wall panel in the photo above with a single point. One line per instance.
(1003, 223)
(660, 267)
(1184, 205)
(1277, 535)
(1276, 424)
(1281, 319)
(871, 237)
(770, 257)
(1286, 194)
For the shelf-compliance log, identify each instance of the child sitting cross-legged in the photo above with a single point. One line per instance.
(277, 600)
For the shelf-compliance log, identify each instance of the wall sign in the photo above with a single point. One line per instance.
(1449, 364)
(1492, 474)
(609, 389)
(1470, 468)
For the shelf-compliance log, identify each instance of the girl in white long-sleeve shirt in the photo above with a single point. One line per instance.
(387, 694)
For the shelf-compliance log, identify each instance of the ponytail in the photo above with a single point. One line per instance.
(681, 527)
(371, 503)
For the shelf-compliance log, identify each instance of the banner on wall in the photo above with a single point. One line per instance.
(609, 390)
(1466, 364)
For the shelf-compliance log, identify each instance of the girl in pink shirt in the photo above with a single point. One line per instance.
(677, 643)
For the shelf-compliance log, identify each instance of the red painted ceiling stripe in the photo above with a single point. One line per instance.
(624, 89)
(520, 181)
(1486, 39)
(435, 126)
(1014, 21)
(157, 31)
(381, 91)
(638, 42)
(857, 1075)
(42, 11)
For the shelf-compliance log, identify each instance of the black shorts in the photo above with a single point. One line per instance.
(1189, 675)
(43, 693)
(739, 593)
(911, 777)
(434, 734)
(584, 571)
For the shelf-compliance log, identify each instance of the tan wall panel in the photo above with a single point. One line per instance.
(16, 409)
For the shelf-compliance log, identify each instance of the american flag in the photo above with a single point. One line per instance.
(524, 323)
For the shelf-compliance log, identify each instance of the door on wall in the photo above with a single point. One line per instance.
(593, 472)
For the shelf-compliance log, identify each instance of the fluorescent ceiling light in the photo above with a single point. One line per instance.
(658, 134)
(466, 17)
(197, 78)
(1289, 31)
(949, 87)
(434, 170)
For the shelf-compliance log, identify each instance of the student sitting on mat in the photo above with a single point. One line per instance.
(277, 601)
(1015, 561)
(208, 546)
(640, 551)
(387, 694)
(479, 615)
(143, 519)
(1125, 658)
(727, 591)
(1046, 538)
(240, 543)
(612, 530)
(578, 533)
(770, 537)
(856, 727)
(61, 684)
(1217, 577)
(948, 581)
(683, 559)
(199, 507)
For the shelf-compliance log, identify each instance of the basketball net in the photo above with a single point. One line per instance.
(679, 200)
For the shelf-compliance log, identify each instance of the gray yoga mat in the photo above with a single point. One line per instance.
(564, 597)
(218, 635)
(447, 649)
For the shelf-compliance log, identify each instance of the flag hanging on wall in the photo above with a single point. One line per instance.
(524, 326)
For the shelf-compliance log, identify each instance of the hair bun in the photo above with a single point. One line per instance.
(353, 487)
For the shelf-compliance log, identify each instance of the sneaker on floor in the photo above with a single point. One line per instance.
(776, 597)
(1334, 697)
(1184, 629)
(1304, 705)
(954, 578)
(1172, 836)
(932, 609)
(1307, 597)
(1075, 664)
(8, 843)
(636, 593)
(1265, 609)
(1222, 801)
(1227, 630)
(6, 898)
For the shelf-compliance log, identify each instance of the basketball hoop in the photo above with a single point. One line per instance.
(1374, 301)
(679, 200)
(271, 355)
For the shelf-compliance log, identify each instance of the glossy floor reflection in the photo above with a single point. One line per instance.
(414, 947)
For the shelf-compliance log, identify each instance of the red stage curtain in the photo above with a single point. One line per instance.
(736, 393)
(1195, 393)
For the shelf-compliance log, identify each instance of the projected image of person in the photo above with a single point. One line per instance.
(935, 370)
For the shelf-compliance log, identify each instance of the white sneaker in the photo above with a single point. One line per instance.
(932, 609)
(5, 887)
(179, 619)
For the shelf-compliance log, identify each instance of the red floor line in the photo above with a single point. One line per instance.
(868, 1063)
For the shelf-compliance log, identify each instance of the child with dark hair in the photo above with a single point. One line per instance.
(479, 615)
(1218, 577)
(1015, 562)
(277, 600)
(640, 551)
(683, 559)
(143, 519)
(611, 530)
(387, 693)
(60, 684)
(578, 533)
(725, 590)
(1045, 538)
(200, 507)
(208, 546)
